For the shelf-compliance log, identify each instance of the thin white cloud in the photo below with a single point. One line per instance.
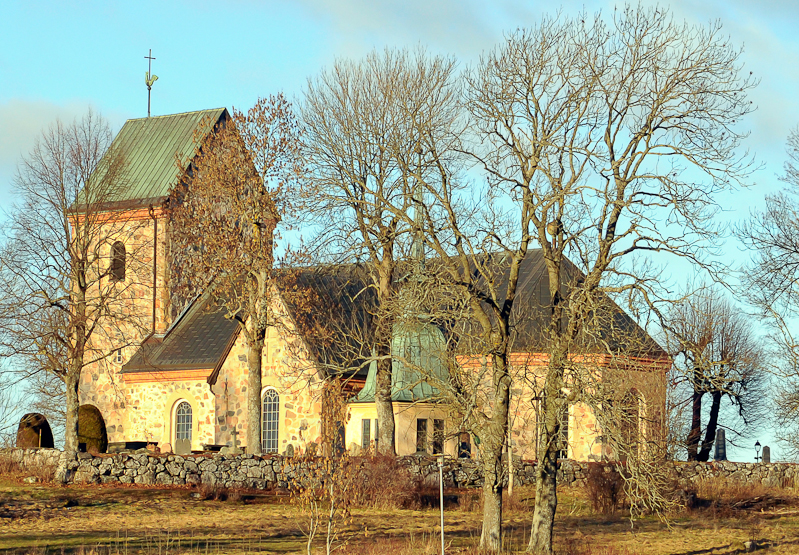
(23, 122)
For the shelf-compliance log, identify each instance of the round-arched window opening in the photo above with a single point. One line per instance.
(118, 255)
(270, 421)
(183, 421)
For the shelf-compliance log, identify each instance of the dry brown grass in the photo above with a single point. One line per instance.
(105, 520)
(727, 498)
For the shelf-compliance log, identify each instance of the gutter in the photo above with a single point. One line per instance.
(151, 212)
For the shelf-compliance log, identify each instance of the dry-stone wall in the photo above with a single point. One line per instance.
(275, 471)
(33, 458)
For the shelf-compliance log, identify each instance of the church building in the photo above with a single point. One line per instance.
(182, 383)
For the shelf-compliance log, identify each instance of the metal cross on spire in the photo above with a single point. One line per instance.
(148, 79)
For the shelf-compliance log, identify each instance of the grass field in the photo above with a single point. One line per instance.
(45, 518)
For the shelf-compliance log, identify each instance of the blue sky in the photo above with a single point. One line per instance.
(57, 58)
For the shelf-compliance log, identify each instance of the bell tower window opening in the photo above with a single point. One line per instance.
(118, 256)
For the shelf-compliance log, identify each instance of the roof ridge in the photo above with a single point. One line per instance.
(178, 114)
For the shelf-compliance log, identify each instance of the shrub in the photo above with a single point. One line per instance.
(379, 482)
(604, 487)
(17, 472)
(213, 493)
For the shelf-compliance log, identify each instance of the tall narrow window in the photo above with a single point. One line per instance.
(464, 445)
(271, 419)
(183, 421)
(118, 261)
(421, 435)
(630, 415)
(438, 436)
(563, 434)
(366, 433)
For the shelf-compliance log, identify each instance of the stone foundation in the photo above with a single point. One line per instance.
(269, 472)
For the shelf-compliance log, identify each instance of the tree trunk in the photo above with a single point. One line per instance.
(383, 335)
(77, 327)
(256, 335)
(712, 426)
(546, 481)
(385, 408)
(72, 382)
(254, 363)
(496, 433)
(491, 536)
(692, 442)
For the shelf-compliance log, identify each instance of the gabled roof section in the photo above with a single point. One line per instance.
(612, 330)
(332, 307)
(150, 145)
(200, 339)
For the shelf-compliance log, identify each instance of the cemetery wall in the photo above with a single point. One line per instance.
(272, 471)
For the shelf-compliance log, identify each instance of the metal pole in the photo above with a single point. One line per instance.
(441, 497)
(510, 461)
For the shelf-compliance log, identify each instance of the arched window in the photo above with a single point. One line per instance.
(630, 423)
(270, 421)
(118, 261)
(563, 433)
(183, 421)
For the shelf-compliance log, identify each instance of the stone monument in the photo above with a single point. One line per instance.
(721, 446)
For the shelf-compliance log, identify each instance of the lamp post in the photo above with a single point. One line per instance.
(441, 496)
(757, 452)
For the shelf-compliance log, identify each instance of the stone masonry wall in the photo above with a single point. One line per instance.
(275, 471)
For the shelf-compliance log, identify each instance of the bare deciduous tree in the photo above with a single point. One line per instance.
(770, 284)
(69, 263)
(364, 154)
(715, 354)
(587, 131)
(223, 217)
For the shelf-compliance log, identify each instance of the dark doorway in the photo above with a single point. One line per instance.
(92, 436)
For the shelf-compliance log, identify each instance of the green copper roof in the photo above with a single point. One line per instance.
(419, 358)
(150, 146)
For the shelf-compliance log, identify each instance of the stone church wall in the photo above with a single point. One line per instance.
(102, 384)
(285, 367)
(151, 406)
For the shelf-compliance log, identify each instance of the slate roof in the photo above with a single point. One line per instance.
(150, 145)
(200, 338)
(338, 328)
(614, 331)
(333, 307)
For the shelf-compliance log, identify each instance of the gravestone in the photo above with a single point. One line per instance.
(34, 431)
(721, 446)
(236, 449)
(766, 454)
(182, 446)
